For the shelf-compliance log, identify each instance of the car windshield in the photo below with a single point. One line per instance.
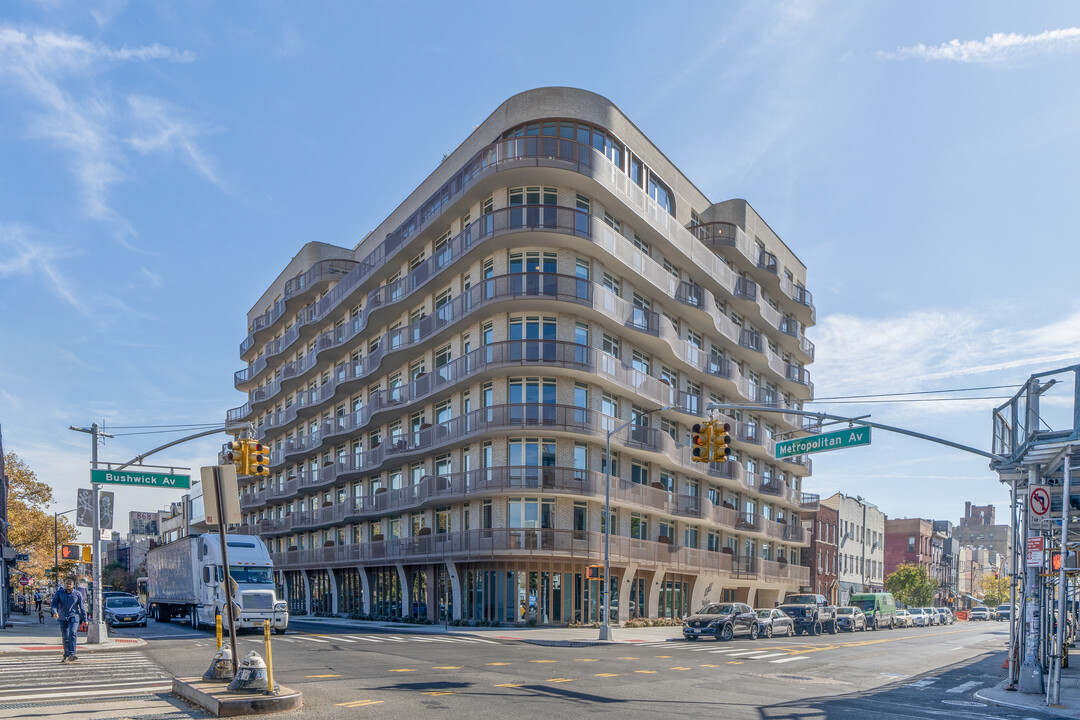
(844, 611)
(915, 611)
(122, 602)
(979, 609)
(250, 574)
(864, 604)
(715, 609)
(764, 613)
(1006, 607)
(801, 599)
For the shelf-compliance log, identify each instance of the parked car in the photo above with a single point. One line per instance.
(945, 615)
(850, 619)
(904, 619)
(979, 613)
(934, 619)
(106, 594)
(774, 622)
(123, 610)
(919, 618)
(812, 613)
(879, 608)
(1004, 612)
(722, 621)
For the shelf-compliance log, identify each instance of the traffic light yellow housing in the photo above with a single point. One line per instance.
(236, 454)
(257, 459)
(700, 441)
(720, 442)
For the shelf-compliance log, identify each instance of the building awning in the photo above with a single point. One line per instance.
(969, 597)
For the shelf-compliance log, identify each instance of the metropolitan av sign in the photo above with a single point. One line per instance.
(823, 442)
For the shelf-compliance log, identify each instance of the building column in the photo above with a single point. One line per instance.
(333, 591)
(455, 589)
(699, 595)
(307, 591)
(654, 594)
(284, 586)
(433, 593)
(403, 582)
(625, 584)
(365, 590)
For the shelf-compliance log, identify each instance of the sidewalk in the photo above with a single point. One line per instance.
(557, 636)
(21, 636)
(1069, 697)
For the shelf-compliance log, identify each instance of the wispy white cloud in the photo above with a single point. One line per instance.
(998, 47)
(22, 253)
(54, 70)
(159, 128)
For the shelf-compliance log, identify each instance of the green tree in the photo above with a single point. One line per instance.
(32, 525)
(116, 575)
(995, 589)
(911, 585)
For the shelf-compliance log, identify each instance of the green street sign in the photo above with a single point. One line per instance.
(145, 479)
(823, 442)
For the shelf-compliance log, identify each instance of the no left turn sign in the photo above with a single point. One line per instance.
(1040, 502)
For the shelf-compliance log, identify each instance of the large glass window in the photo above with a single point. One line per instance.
(533, 207)
(532, 452)
(531, 513)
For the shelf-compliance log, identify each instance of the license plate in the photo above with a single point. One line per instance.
(694, 631)
(126, 619)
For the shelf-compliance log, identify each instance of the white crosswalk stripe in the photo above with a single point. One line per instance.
(971, 685)
(93, 675)
(789, 659)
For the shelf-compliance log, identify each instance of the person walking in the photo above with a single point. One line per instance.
(69, 608)
(37, 600)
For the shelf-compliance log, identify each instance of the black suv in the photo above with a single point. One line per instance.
(811, 613)
(722, 621)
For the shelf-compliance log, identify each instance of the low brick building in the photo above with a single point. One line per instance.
(821, 556)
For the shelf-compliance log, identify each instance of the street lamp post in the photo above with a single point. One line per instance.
(605, 596)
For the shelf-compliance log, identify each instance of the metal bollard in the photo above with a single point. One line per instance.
(269, 660)
(217, 626)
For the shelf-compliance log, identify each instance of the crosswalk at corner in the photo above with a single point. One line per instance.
(39, 678)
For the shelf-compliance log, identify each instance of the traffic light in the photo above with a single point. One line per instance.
(256, 458)
(721, 442)
(700, 441)
(594, 572)
(234, 453)
(1055, 561)
(71, 553)
(86, 554)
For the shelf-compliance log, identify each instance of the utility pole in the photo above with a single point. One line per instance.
(97, 632)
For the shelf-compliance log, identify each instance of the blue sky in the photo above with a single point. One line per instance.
(160, 163)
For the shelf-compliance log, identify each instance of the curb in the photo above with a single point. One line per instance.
(214, 697)
(114, 645)
(1041, 707)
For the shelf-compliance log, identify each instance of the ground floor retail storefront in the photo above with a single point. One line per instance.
(551, 593)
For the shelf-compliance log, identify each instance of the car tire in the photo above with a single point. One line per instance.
(754, 631)
(692, 638)
(726, 633)
(768, 631)
(815, 629)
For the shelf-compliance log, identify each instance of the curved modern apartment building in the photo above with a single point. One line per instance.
(437, 399)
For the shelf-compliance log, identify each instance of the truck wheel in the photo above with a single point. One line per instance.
(194, 612)
(832, 627)
(815, 629)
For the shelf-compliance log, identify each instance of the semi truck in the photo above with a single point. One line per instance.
(185, 578)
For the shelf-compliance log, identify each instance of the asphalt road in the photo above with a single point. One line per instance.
(919, 673)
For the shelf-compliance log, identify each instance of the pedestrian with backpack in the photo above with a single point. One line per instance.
(69, 608)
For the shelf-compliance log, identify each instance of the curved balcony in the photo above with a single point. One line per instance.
(717, 235)
(502, 288)
(434, 491)
(305, 285)
(525, 544)
(504, 155)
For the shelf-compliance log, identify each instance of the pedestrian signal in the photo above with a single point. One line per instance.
(76, 553)
(594, 572)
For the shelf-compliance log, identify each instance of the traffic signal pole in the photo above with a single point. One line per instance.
(96, 632)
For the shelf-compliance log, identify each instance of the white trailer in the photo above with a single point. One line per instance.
(185, 578)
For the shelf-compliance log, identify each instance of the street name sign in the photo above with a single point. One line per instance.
(145, 479)
(823, 442)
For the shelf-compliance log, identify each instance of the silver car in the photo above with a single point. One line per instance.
(123, 610)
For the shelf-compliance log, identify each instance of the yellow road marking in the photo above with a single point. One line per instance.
(511, 685)
(543, 661)
(606, 675)
(680, 668)
(560, 680)
(628, 658)
(496, 663)
(710, 666)
(735, 662)
(359, 703)
(664, 656)
(321, 676)
(404, 670)
(440, 692)
(586, 660)
(446, 667)
(646, 672)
